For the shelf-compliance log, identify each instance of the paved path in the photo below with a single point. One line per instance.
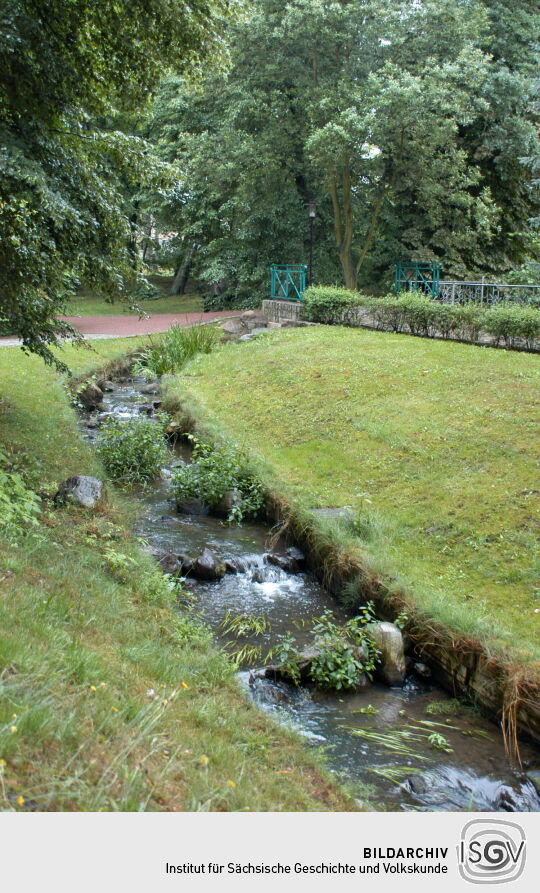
(125, 326)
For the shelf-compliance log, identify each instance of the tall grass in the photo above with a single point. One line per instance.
(175, 349)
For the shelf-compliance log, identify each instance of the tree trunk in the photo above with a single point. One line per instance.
(375, 214)
(345, 253)
(343, 230)
(181, 276)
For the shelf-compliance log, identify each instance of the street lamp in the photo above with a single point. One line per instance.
(312, 211)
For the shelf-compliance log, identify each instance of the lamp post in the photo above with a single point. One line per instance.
(312, 211)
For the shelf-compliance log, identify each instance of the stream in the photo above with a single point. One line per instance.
(361, 732)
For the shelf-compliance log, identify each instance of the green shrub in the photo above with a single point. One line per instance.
(513, 323)
(19, 506)
(175, 349)
(132, 451)
(214, 471)
(330, 304)
(469, 320)
(389, 313)
(145, 291)
(419, 314)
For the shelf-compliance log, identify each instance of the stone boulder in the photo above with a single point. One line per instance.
(292, 562)
(233, 327)
(422, 670)
(533, 775)
(151, 388)
(231, 499)
(191, 505)
(105, 385)
(388, 639)
(91, 397)
(235, 565)
(186, 563)
(208, 567)
(252, 319)
(296, 324)
(174, 430)
(167, 561)
(82, 490)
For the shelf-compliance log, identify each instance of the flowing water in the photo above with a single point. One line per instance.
(377, 738)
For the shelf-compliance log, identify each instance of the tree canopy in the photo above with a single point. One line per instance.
(409, 124)
(74, 74)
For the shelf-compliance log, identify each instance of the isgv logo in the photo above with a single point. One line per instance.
(491, 851)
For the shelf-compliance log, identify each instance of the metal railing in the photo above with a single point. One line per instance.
(288, 281)
(487, 293)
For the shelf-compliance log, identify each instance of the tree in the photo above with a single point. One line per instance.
(69, 70)
(405, 121)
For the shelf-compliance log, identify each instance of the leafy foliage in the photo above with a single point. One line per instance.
(216, 470)
(344, 653)
(287, 656)
(19, 506)
(70, 160)
(132, 451)
(512, 323)
(439, 742)
(330, 304)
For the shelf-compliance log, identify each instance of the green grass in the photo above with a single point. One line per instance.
(434, 445)
(88, 303)
(110, 697)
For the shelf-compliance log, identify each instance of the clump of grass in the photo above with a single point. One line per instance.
(247, 655)
(175, 349)
(240, 625)
(399, 741)
(452, 707)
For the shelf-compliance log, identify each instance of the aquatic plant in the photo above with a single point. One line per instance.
(246, 655)
(342, 653)
(244, 625)
(216, 470)
(440, 742)
(132, 451)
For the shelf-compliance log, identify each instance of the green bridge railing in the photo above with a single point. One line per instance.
(288, 281)
(413, 274)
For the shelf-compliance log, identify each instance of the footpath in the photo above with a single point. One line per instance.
(125, 326)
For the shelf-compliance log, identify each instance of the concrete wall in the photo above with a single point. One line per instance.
(278, 311)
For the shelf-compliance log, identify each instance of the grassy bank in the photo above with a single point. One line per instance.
(110, 697)
(89, 303)
(433, 445)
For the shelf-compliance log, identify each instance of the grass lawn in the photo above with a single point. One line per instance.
(112, 698)
(434, 445)
(88, 303)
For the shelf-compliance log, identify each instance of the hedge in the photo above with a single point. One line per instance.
(413, 312)
(330, 304)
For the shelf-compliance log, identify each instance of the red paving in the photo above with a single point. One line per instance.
(124, 326)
